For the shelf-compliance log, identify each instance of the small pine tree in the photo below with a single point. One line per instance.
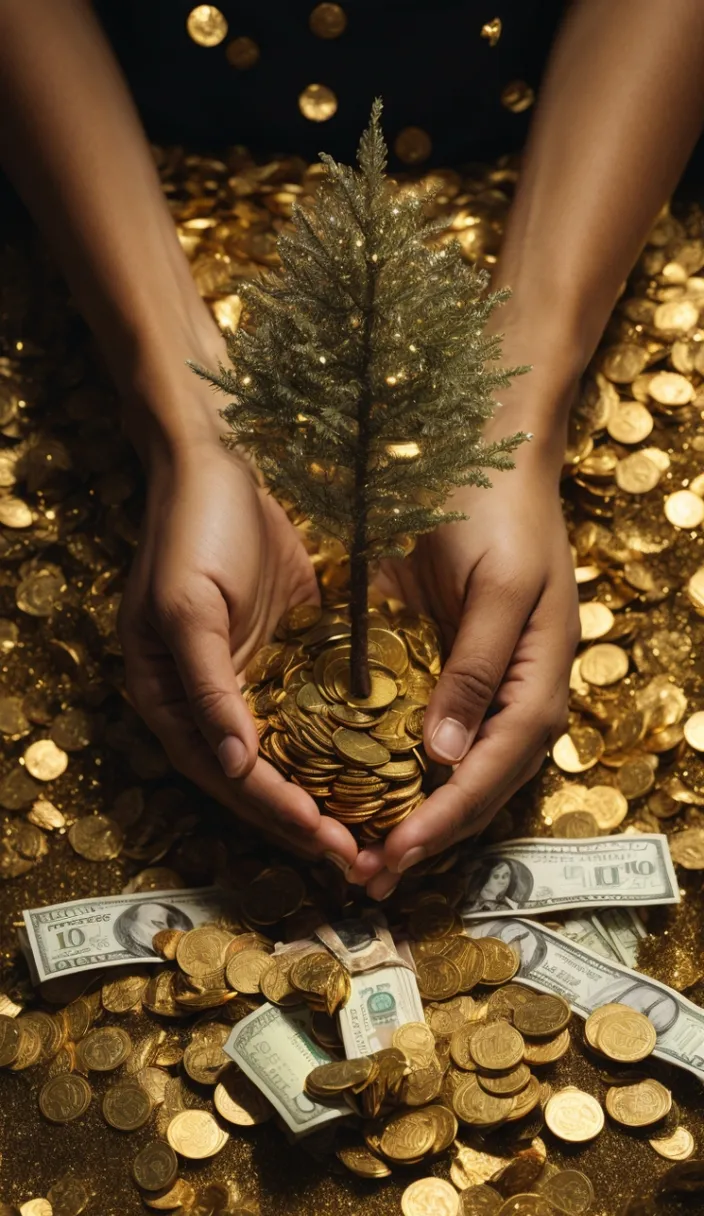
(363, 388)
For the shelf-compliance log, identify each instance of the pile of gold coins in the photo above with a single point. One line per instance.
(362, 758)
(481, 1061)
(96, 808)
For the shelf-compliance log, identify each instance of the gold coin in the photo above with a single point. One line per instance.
(13, 720)
(547, 1052)
(501, 960)
(363, 1162)
(44, 760)
(475, 1106)
(126, 1106)
(479, 1199)
(677, 1147)
(45, 815)
(430, 1197)
(670, 388)
(629, 422)
(608, 806)
(122, 994)
(497, 1046)
(413, 145)
(202, 951)
(242, 53)
(505, 1084)
(624, 1034)
(244, 971)
(542, 1017)
(239, 1101)
(573, 1115)
(438, 977)
(575, 825)
(65, 1097)
(179, 1196)
(96, 837)
(317, 103)
(9, 1040)
(570, 1191)
(635, 778)
(68, 1196)
(15, 514)
(687, 848)
(578, 750)
(206, 25)
(339, 1075)
(407, 1136)
(195, 1135)
(675, 315)
(205, 1061)
(155, 1167)
(327, 20)
(604, 664)
(694, 731)
(104, 1049)
(359, 748)
(517, 96)
(624, 362)
(637, 473)
(35, 1207)
(596, 620)
(414, 1039)
(684, 509)
(638, 1105)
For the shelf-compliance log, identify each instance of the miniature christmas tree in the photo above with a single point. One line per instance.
(362, 387)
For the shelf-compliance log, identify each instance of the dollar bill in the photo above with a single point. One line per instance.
(275, 1049)
(361, 944)
(553, 963)
(111, 929)
(379, 1002)
(624, 930)
(548, 875)
(613, 932)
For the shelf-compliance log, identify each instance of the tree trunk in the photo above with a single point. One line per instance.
(360, 682)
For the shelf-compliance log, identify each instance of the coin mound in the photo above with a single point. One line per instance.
(362, 759)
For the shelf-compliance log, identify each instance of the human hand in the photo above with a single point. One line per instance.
(501, 587)
(217, 565)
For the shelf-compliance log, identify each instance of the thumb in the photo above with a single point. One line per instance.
(485, 641)
(198, 635)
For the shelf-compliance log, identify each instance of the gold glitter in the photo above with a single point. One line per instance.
(242, 53)
(206, 25)
(413, 145)
(317, 102)
(328, 20)
(517, 96)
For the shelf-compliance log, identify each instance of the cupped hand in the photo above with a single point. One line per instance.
(501, 587)
(217, 565)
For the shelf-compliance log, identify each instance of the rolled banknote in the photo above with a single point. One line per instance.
(380, 1001)
(548, 875)
(553, 963)
(275, 1049)
(361, 944)
(111, 929)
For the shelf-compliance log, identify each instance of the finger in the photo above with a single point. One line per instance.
(494, 615)
(385, 882)
(196, 626)
(369, 862)
(507, 743)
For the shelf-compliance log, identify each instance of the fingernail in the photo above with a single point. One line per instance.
(232, 755)
(450, 740)
(411, 858)
(339, 862)
(388, 893)
(385, 888)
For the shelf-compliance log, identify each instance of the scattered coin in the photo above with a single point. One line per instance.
(155, 1167)
(574, 1115)
(430, 1197)
(65, 1097)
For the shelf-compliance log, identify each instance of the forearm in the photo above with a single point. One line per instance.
(72, 142)
(620, 110)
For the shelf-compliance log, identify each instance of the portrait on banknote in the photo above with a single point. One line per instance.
(135, 928)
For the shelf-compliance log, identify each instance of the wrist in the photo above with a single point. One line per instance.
(167, 410)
